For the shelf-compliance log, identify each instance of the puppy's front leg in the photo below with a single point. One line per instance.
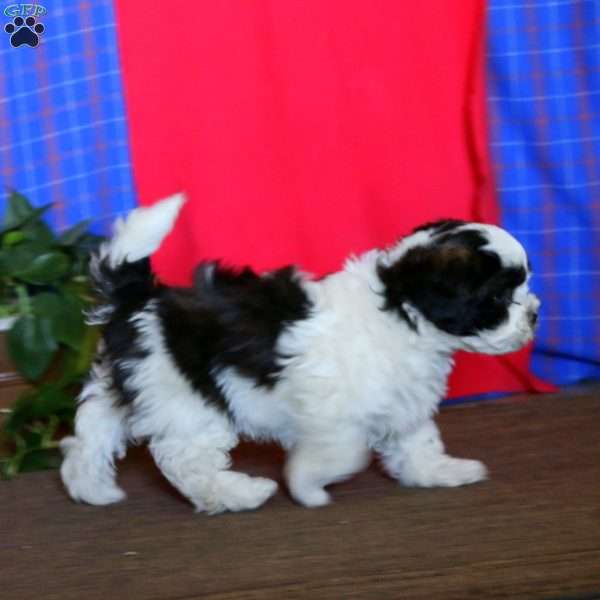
(419, 459)
(319, 459)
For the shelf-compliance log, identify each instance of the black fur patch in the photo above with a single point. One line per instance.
(123, 350)
(455, 283)
(441, 226)
(127, 289)
(230, 319)
(226, 319)
(126, 286)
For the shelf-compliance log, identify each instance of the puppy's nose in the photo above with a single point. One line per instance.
(533, 318)
(533, 310)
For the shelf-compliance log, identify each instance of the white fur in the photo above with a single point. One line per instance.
(100, 436)
(418, 458)
(420, 238)
(143, 231)
(357, 379)
(510, 251)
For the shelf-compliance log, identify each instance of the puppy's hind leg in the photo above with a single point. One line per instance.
(100, 435)
(198, 465)
(319, 460)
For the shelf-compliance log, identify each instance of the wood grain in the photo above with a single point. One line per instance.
(532, 531)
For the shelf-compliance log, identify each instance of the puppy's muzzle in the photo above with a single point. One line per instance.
(533, 311)
(533, 318)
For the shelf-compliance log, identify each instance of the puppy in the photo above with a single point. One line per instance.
(332, 369)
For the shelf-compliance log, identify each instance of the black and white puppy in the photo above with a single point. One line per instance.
(333, 369)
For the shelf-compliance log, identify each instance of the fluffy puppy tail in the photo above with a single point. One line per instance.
(120, 269)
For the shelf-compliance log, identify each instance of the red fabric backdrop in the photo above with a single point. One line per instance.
(305, 130)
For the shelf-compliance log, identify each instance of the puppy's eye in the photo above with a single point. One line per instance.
(503, 297)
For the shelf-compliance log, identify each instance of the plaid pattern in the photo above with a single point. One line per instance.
(63, 136)
(544, 102)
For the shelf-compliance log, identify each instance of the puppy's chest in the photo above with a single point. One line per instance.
(407, 396)
(403, 405)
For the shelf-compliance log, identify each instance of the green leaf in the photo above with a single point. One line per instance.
(12, 238)
(45, 268)
(38, 231)
(33, 438)
(5, 264)
(80, 287)
(40, 459)
(9, 467)
(22, 413)
(88, 243)
(43, 403)
(82, 250)
(18, 259)
(76, 364)
(51, 400)
(65, 313)
(8, 310)
(74, 234)
(20, 211)
(47, 305)
(31, 345)
(70, 329)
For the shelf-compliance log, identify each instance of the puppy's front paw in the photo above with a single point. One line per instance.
(447, 471)
(460, 471)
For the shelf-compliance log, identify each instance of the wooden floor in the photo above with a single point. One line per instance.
(532, 531)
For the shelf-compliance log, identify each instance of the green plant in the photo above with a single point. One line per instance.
(45, 287)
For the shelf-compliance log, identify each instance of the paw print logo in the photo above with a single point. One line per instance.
(24, 31)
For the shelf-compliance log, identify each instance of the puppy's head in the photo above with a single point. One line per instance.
(468, 280)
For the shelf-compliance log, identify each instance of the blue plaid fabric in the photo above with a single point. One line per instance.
(544, 102)
(63, 135)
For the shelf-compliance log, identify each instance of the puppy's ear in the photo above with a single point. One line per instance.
(438, 282)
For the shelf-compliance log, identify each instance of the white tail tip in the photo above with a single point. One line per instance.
(144, 229)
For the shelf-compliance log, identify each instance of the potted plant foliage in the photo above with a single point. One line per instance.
(44, 289)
